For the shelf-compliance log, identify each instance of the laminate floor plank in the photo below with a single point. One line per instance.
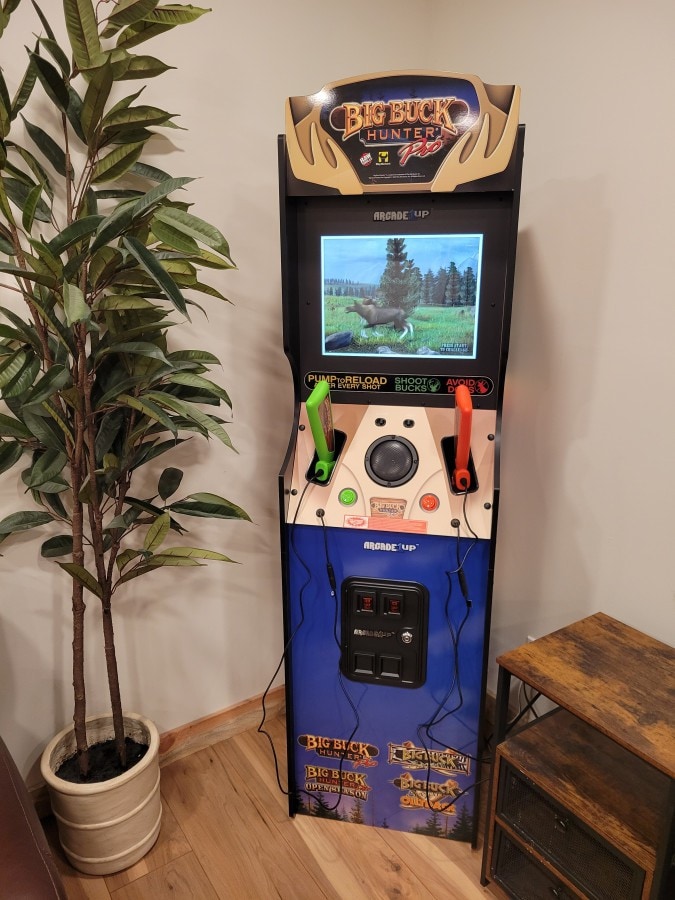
(171, 844)
(238, 847)
(182, 878)
(358, 862)
(448, 869)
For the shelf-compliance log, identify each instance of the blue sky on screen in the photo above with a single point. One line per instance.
(363, 257)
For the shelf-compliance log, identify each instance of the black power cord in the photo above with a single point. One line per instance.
(333, 585)
(425, 728)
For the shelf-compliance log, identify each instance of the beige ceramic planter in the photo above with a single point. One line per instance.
(109, 826)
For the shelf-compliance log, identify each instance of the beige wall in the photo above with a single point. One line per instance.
(588, 483)
(591, 341)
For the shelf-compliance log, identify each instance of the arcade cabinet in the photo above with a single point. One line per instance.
(399, 213)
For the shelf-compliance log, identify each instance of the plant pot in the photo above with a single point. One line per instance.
(108, 826)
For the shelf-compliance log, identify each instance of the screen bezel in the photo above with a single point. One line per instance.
(387, 335)
(489, 214)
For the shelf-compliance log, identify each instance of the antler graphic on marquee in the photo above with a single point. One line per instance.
(316, 157)
(319, 169)
(478, 164)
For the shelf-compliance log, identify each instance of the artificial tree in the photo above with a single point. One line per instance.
(99, 257)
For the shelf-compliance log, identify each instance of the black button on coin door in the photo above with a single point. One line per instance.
(384, 631)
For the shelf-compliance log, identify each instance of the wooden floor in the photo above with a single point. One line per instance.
(226, 833)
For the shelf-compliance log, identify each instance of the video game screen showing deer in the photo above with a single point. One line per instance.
(404, 296)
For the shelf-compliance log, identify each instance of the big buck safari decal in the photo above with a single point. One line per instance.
(405, 131)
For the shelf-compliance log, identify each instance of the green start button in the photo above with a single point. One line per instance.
(347, 496)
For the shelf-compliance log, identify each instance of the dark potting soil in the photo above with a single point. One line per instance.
(103, 762)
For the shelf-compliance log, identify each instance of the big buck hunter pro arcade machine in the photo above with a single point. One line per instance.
(399, 206)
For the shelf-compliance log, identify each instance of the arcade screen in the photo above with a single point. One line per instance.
(401, 295)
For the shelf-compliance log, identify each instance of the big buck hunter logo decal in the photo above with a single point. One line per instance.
(402, 130)
(358, 753)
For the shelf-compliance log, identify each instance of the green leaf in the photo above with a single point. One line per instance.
(61, 545)
(54, 502)
(138, 348)
(209, 506)
(145, 506)
(85, 578)
(190, 380)
(169, 482)
(126, 101)
(59, 420)
(10, 453)
(149, 409)
(71, 234)
(156, 272)
(45, 24)
(154, 564)
(140, 32)
(172, 237)
(139, 116)
(74, 113)
(83, 32)
(126, 557)
(20, 195)
(195, 553)
(10, 367)
(74, 304)
(18, 272)
(108, 430)
(150, 172)
(157, 532)
(159, 192)
(57, 53)
(30, 207)
(5, 108)
(126, 13)
(206, 258)
(23, 380)
(24, 90)
(117, 162)
(113, 225)
(49, 262)
(95, 99)
(35, 167)
(149, 451)
(10, 427)
(24, 521)
(48, 464)
(51, 80)
(184, 408)
(196, 356)
(54, 380)
(140, 67)
(195, 228)
(54, 486)
(173, 14)
(44, 431)
(47, 146)
(116, 302)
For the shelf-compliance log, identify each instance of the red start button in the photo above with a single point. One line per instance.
(429, 502)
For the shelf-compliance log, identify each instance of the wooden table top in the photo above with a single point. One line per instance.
(617, 679)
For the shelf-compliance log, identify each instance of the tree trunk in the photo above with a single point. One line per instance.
(113, 681)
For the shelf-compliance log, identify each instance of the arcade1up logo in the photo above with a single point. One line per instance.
(401, 131)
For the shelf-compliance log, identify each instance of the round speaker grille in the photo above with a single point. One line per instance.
(391, 461)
